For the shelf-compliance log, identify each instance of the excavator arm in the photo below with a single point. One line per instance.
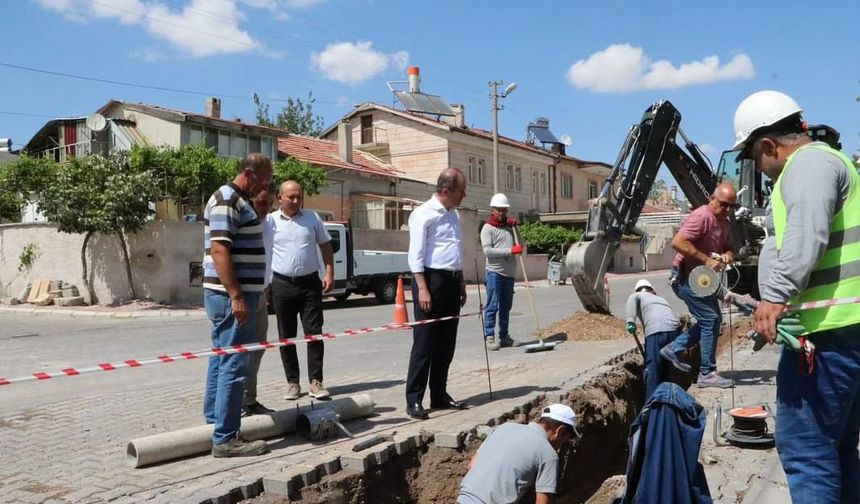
(613, 214)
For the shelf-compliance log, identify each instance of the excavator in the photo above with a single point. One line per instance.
(650, 144)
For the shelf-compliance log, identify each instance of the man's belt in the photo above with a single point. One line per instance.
(458, 274)
(295, 279)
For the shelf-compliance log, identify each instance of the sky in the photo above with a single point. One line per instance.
(592, 68)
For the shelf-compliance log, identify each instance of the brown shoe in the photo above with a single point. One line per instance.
(317, 390)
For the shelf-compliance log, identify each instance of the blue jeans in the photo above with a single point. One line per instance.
(656, 369)
(706, 330)
(818, 419)
(225, 377)
(500, 298)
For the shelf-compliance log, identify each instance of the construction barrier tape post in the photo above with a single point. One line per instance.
(250, 347)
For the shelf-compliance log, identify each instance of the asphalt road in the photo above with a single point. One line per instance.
(34, 343)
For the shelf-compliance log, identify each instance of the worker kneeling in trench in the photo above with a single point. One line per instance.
(516, 457)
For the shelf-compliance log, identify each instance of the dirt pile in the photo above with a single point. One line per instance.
(584, 326)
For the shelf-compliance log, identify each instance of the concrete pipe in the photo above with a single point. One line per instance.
(195, 440)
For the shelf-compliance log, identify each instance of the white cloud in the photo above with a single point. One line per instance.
(623, 68)
(353, 63)
(148, 54)
(199, 29)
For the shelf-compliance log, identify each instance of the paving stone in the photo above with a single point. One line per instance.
(70, 301)
(404, 446)
(483, 431)
(357, 463)
(382, 453)
(251, 489)
(9, 301)
(285, 483)
(449, 440)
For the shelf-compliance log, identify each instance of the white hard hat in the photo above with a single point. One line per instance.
(764, 108)
(499, 200)
(560, 413)
(642, 284)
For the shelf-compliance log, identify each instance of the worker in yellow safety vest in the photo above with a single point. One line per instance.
(812, 253)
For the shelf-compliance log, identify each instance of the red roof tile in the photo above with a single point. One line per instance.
(324, 153)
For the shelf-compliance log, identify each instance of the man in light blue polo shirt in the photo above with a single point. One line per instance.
(517, 458)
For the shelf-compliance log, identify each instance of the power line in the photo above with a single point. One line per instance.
(142, 86)
(26, 114)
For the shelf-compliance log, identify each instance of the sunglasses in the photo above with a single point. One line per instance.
(725, 204)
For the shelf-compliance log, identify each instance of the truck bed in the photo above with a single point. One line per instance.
(379, 262)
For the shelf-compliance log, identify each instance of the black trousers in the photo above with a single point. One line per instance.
(302, 297)
(433, 344)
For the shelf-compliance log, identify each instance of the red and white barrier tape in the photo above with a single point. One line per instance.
(251, 347)
(809, 305)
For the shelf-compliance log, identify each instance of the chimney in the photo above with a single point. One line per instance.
(344, 141)
(459, 115)
(413, 75)
(213, 107)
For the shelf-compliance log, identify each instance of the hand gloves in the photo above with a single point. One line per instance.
(517, 249)
(631, 327)
(788, 330)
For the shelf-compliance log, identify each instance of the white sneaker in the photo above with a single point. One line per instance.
(317, 390)
(294, 391)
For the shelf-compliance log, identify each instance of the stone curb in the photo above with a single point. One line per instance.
(195, 314)
(291, 480)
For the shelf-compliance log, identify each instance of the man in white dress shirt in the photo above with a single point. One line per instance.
(296, 286)
(438, 290)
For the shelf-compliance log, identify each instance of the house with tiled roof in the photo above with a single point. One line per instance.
(360, 186)
(421, 147)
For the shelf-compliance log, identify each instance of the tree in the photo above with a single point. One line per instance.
(310, 177)
(20, 181)
(95, 194)
(295, 117)
(189, 173)
(658, 189)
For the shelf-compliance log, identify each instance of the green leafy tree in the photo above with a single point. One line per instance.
(657, 190)
(311, 178)
(189, 173)
(98, 194)
(20, 182)
(548, 239)
(296, 116)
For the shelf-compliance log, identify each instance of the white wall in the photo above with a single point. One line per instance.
(160, 257)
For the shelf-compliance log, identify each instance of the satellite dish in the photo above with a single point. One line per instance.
(567, 140)
(96, 122)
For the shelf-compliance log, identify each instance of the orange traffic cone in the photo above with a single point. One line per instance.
(401, 316)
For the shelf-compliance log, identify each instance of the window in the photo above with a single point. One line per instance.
(544, 187)
(566, 186)
(266, 147)
(482, 171)
(367, 129)
(535, 183)
(472, 171)
(509, 177)
(592, 189)
(239, 145)
(224, 143)
(518, 178)
(195, 135)
(212, 139)
(254, 145)
(334, 234)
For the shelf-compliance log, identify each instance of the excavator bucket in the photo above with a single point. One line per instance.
(587, 262)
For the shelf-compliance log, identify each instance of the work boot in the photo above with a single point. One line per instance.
(713, 380)
(294, 391)
(667, 353)
(317, 390)
(238, 447)
(492, 345)
(255, 409)
(508, 342)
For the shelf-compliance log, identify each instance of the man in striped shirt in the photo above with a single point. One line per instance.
(234, 268)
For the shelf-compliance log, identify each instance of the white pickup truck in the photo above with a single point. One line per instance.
(363, 271)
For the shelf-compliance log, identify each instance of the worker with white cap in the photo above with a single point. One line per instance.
(660, 326)
(812, 255)
(517, 458)
(500, 249)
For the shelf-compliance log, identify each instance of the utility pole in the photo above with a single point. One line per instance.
(494, 96)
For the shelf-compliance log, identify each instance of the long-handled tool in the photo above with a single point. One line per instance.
(484, 344)
(541, 345)
(639, 345)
